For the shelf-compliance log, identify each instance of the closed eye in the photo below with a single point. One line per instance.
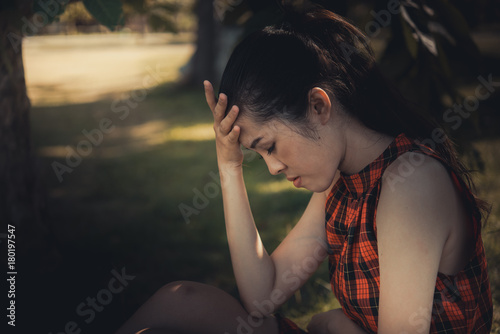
(271, 149)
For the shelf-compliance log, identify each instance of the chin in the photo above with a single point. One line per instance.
(320, 188)
(317, 189)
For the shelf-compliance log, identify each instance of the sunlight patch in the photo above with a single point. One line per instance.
(53, 151)
(197, 132)
(125, 140)
(274, 187)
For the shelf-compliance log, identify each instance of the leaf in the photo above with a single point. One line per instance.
(417, 21)
(161, 23)
(171, 8)
(457, 26)
(161, 17)
(138, 6)
(108, 12)
(410, 41)
(49, 11)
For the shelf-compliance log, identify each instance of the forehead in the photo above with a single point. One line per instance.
(251, 130)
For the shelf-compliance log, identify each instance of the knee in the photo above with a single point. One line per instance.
(179, 290)
(183, 288)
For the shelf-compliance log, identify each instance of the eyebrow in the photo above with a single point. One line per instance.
(255, 142)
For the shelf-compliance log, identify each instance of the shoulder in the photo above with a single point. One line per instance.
(413, 172)
(416, 189)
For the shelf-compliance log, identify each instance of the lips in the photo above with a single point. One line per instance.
(297, 181)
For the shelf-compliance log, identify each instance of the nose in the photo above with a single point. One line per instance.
(274, 165)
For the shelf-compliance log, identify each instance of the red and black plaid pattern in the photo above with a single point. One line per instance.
(462, 303)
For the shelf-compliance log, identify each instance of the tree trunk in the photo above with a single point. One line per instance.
(20, 196)
(203, 61)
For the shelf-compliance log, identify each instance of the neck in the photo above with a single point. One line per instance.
(362, 146)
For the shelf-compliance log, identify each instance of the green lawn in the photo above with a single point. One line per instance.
(119, 207)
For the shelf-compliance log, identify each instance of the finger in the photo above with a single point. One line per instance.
(234, 135)
(209, 95)
(227, 123)
(220, 108)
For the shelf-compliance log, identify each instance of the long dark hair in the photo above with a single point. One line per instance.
(271, 72)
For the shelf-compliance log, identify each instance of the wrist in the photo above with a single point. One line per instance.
(230, 171)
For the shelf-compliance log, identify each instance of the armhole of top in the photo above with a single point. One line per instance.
(469, 202)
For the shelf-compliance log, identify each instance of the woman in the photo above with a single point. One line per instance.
(402, 230)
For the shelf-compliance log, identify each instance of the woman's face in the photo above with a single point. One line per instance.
(309, 163)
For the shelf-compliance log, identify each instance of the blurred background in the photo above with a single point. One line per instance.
(108, 166)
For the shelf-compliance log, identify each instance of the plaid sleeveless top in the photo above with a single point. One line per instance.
(462, 302)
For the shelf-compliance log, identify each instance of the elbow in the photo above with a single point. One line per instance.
(259, 309)
(265, 307)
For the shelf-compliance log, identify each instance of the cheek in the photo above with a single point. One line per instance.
(324, 172)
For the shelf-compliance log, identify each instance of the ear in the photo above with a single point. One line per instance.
(320, 105)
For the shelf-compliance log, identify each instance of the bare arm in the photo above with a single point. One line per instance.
(264, 281)
(414, 222)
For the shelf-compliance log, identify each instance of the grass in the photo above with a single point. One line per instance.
(488, 187)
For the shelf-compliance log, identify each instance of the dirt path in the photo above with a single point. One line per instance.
(86, 68)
